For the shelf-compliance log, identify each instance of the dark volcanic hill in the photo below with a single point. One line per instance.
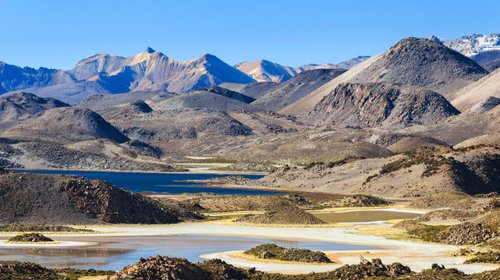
(423, 62)
(68, 123)
(218, 99)
(159, 126)
(55, 199)
(20, 106)
(227, 93)
(376, 104)
(254, 90)
(412, 61)
(106, 103)
(489, 60)
(295, 88)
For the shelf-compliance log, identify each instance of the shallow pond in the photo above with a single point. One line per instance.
(114, 253)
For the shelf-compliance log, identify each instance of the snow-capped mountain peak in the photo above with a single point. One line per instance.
(474, 44)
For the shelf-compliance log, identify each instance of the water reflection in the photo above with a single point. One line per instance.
(114, 253)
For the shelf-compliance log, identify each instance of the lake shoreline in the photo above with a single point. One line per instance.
(416, 254)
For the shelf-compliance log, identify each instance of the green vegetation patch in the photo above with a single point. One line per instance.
(30, 238)
(427, 156)
(40, 228)
(430, 233)
(331, 164)
(21, 271)
(273, 251)
(485, 257)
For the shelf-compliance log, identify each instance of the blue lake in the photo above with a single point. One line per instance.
(161, 183)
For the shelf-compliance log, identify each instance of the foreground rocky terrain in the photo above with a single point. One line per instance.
(180, 269)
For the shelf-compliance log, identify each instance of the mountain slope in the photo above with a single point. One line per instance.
(477, 92)
(411, 61)
(15, 78)
(20, 106)
(295, 88)
(348, 64)
(99, 63)
(253, 90)
(207, 99)
(489, 60)
(266, 71)
(227, 93)
(376, 104)
(425, 63)
(68, 123)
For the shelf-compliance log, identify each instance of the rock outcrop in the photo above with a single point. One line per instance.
(377, 104)
(55, 199)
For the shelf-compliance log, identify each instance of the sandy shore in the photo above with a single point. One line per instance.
(57, 244)
(417, 255)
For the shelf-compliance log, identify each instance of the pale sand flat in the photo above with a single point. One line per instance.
(56, 244)
(417, 255)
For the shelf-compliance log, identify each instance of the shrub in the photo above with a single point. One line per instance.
(30, 237)
(273, 251)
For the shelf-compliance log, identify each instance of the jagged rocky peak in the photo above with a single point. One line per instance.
(474, 44)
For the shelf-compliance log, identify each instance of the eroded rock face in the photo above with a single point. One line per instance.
(378, 104)
(161, 268)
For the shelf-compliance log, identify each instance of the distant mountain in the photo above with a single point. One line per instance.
(103, 73)
(152, 70)
(99, 63)
(412, 61)
(377, 104)
(290, 91)
(490, 60)
(477, 92)
(484, 49)
(348, 64)
(253, 89)
(309, 67)
(216, 99)
(227, 93)
(15, 78)
(474, 44)
(22, 105)
(267, 71)
(68, 124)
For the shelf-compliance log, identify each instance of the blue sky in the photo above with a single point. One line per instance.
(57, 34)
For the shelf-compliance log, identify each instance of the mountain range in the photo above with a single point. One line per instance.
(418, 92)
(154, 71)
